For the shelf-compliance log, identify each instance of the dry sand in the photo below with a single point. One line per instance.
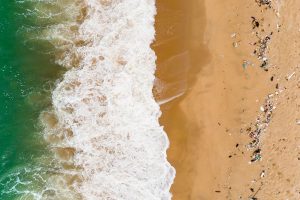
(207, 49)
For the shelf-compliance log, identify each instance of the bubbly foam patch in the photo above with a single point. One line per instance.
(104, 126)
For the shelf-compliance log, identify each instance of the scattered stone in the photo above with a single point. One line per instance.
(290, 76)
(235, 44)
(262, 109)
(278, 27)
(233, 35)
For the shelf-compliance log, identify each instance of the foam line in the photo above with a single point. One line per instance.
(107, 106)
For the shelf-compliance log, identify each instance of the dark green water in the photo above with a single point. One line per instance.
(27, 74)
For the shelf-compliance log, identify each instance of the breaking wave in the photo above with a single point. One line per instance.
(103, 127)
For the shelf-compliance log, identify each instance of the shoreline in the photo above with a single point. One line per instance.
(179, 68)
(208, 126)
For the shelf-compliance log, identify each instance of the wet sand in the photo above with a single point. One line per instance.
(207, 49)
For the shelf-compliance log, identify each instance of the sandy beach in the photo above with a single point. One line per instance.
(234, 131)
(106, 99)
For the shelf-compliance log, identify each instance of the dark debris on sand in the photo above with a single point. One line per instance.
(255, 130)
(261, 50)
(263, 40)
(255, 23)
(267, 3)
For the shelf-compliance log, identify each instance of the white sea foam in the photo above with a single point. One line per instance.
(107, 105)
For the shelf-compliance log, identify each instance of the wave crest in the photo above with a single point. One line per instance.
(105, 117)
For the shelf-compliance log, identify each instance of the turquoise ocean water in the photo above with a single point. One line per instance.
(27, 74)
